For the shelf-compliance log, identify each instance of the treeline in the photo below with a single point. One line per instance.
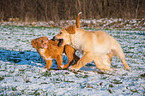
(45, 10)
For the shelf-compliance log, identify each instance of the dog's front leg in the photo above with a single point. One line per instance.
(48, 64)
(59, 61)
(86, 58)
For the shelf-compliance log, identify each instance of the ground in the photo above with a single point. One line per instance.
(22, 69)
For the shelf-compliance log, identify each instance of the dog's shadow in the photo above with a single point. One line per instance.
(31, 58)
(26, 58)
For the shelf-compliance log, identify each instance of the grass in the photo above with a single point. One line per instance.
(18, 76)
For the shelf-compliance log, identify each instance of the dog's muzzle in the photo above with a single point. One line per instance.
(60, 41)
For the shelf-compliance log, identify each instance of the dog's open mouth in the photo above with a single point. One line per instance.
(60, 42)
(44, 45)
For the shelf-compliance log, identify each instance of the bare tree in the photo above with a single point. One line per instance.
(45, 10)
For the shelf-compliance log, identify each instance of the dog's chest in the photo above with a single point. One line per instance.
(75, 45)
(76, 42)
(44, 55)
(42, 51)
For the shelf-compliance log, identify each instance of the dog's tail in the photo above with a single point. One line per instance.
(78, 20)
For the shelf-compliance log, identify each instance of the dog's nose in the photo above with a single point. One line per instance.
(53, 38)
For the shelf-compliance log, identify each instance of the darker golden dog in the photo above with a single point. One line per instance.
(49, 50)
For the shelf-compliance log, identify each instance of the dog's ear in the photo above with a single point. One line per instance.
(71, 29)
(34, 44)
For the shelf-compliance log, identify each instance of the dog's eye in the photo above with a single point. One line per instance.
(41, 40)
(60, 33)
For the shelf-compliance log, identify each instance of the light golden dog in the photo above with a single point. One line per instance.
(96, 46)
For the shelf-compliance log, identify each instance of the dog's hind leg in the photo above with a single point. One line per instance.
(102, 62)
(117, 51)
(59, 61)
(121, 55)
(70, 52)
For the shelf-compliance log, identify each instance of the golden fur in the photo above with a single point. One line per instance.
(49, 50)
(97, 46)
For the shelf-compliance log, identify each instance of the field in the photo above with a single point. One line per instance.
(22, 69)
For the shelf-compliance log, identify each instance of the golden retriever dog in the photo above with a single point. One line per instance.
(97, 46)
(48, 50)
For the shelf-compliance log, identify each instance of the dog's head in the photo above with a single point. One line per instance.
(64, 35)
(40, 42)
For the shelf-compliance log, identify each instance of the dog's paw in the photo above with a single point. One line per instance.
(128, 68)
(72, 69)
(62, 66)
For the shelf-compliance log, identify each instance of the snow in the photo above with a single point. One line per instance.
(105, 23)
(22, 70)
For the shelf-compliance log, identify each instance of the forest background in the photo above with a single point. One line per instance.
(45, 10)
